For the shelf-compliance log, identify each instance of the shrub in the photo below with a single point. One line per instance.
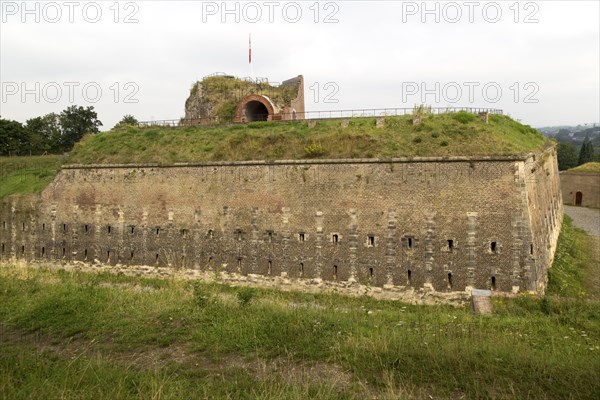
(394, 122)
(227, 109)
(245, 295)
(314, 150)
(545, 305)
(151, 134)
(464, 117)
(421, 109)
(201, 295)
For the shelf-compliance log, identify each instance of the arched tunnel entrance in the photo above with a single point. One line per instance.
(256, 111)
(254, 107)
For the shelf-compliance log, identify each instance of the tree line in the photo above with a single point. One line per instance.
(569, 157)
(52, 133)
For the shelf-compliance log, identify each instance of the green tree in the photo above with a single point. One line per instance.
(49, 131)
(52, 132)
(18, 139)
(127, 120)
(586, 154)
(567, 156)
(76, 122)
(13, 137)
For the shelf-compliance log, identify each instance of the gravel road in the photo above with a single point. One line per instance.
(587, 219)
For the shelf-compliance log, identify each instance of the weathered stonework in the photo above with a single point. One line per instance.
(442, 224)
(248, 108)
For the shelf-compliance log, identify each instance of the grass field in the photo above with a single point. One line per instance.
(27, 174)
(438, 135)
(66, 334)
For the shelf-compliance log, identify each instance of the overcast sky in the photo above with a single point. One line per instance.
(538, 61)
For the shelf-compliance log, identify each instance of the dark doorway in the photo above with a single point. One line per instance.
(256, 111)
(578, 198)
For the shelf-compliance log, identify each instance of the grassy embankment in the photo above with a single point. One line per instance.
(576, 269)
(591, 167)
(84, 335)
(25, 175)
(438, 135)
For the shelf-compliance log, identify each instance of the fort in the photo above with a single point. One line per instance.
(439, 220)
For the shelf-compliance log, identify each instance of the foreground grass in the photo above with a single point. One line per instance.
(67, 334)
(26, 175)
(438, 135)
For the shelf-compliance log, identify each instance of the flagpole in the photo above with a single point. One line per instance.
(250, 56)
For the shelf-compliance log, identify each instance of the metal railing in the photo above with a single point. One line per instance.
(319, 115)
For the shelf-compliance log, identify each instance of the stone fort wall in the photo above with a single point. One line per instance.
(441, 223)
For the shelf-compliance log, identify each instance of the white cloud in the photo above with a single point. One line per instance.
(371, 54)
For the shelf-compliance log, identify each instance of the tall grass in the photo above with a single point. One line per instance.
(74, 333)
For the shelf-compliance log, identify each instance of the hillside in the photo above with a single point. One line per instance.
(438, 135)
(574, 135)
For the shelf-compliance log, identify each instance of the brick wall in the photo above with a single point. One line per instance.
(426, 222)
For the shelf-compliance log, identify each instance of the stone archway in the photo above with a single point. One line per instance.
(254, 107)
(256, 111)
(578, 198)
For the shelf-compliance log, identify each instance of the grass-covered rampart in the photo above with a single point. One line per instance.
(460, 134)
(24, 175)
(452, 134)
(591, 167)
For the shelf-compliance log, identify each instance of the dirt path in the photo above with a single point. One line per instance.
(152, 358)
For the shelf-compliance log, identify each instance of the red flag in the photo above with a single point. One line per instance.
(249, 49)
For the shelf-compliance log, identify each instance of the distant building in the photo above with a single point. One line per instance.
(581, 186)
